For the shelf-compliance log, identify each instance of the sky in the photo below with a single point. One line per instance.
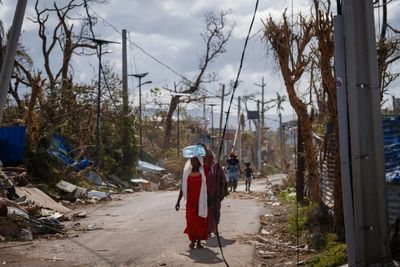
(170, 31)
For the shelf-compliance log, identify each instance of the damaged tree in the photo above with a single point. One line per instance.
(388, 47)
(290, 51)
(215, 37)
(58, 104)
(323, 54)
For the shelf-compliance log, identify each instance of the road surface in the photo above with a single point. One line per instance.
(143, 229)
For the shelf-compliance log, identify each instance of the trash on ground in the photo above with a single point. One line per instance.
(66, 186)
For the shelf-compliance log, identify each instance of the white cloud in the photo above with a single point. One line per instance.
(170, 31)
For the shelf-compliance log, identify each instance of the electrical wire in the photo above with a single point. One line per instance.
(106, 22)
(297, 200)
(227, 114)
(87, 7)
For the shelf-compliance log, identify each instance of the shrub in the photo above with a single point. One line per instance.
(335, 255)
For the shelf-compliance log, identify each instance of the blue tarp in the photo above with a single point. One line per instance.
(60, 148)
(391, 140)
(12, 145)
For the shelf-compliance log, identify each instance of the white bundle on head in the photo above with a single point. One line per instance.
(203, 209)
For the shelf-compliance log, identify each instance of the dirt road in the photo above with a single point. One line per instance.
(143, 229)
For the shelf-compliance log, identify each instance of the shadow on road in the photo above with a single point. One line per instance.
(204, 256)
(92, 251)
(213, 242)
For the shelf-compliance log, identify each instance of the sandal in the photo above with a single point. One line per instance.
(191, 245)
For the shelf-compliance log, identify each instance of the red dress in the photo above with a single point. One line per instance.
(196, 227)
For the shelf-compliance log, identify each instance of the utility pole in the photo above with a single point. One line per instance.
(300, 164)
(126, 145)
(140, 76)
(240, 132)
(281, 141)
(178, 119)
(99, 44)
(204, 115)
(178, 132)
(366, 137)
(344, 139)
(124, 75)
(261, 134)
(9, 57)
(221, 142)
(212, 124)
(259, 137)
(262, 85)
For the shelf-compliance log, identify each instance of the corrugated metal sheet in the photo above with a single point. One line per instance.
(326, 186)
(391, 139)
(328, 171)
(391, 134)
(393, 198)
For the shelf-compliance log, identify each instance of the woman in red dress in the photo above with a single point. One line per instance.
(194, 188)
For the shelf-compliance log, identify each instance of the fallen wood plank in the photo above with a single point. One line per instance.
(14, 169)
(277, 243)
(19, 245)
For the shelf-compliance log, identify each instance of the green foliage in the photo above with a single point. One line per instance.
(288, 195)
(43, 168)
(119, 151)
(270, 168)
(299, 219)
(334, 255)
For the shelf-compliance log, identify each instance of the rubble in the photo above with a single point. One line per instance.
(167, 182)
(94, 179)
(66, 187)
(40, 199)
(27, 212)
(93, 194)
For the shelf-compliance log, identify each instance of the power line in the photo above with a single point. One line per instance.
(107, 23)
(229, 109)
(150, 55)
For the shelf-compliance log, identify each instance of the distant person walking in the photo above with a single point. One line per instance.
(233, 169)
(248, 173)
(194, 189)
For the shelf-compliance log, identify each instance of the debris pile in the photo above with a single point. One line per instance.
(152, 178)
(26, 212)
(37, 204)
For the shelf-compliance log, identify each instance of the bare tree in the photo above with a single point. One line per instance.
(61, 30)
(388, 48)
(215, 37)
